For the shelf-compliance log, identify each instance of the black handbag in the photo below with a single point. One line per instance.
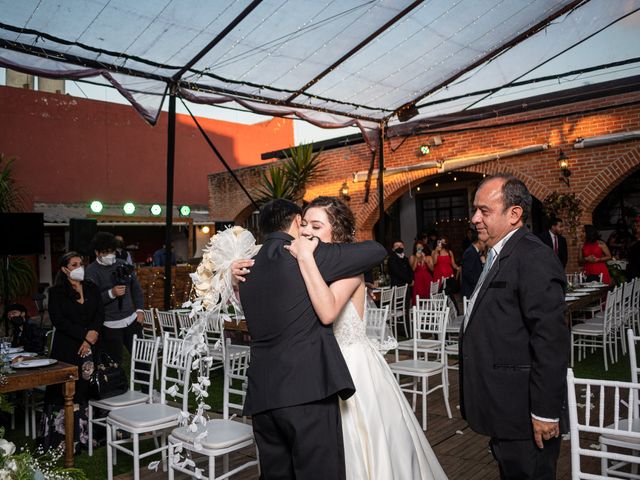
(108, 379)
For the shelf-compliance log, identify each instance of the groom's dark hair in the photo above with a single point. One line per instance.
(277, 215)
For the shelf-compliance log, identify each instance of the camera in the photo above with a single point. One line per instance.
(121, 276)
(123, 273)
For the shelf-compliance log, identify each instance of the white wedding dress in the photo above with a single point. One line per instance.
(382, 437)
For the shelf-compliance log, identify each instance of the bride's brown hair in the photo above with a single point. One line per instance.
(343, 223)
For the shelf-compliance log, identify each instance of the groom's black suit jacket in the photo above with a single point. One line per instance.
(295, 359)
(515, 348)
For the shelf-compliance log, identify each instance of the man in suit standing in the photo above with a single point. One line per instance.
(296, 372)
(553, 238)
(400, 272)
(471, 265)
(514, 343)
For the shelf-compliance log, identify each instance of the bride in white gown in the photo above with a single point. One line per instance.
(382, 437)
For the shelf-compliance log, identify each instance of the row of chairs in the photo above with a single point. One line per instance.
(605, 330)
(136, 414)
(611, 411)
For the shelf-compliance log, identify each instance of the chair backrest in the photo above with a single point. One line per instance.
(465, 304)
(143, 363)
(236, 362)
(434, 287)
(167, 322)
(149, 324)
(399, 296)
(376, 322)
(632, 340)
(213, 329)
(176, 369)
(604, 414)
(386, 296)
(185, 320)
(430, 321)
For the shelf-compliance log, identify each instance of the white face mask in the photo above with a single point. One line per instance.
(107, 260)
(77, 274)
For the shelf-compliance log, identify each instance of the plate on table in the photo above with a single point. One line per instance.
(11, 356)
(579, 294)
(570, 298)
(587, 289)
(594, 285)
(40, 362)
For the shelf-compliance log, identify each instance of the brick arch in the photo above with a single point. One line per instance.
(244, 213)
(609, 178)
(367, 216)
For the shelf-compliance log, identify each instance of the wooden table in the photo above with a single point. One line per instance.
(581, 302)
(24, 379)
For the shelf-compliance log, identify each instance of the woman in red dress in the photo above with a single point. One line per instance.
(422, 265)
(595, 254)
(444, 265)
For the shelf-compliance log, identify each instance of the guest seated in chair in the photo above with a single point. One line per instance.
(26, 333)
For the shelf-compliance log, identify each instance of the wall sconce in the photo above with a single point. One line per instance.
(344, 191)
(563, 163)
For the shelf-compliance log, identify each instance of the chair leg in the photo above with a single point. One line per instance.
(136, 456)
(115, 451)
(425, 387)
(163, 443)
(572, 345)
(170, 460)
(445, 390)
(604, 463)
(212, 468)
(26, 413)
(90, 427)
(109, 454)
(604, 354)
(33, 419)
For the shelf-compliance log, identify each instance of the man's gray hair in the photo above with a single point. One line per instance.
(514, 193)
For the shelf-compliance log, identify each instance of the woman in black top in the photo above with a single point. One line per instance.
(76, 312)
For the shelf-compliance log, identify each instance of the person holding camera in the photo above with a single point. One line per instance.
(122, 297)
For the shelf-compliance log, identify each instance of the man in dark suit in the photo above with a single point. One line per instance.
(297, 371)
(553, 239)
(514, 342)
(400, 272)
(471, 266)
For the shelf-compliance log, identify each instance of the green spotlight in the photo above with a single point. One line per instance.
(185, 210)
(96, 206)
(156, 209)
(129, 208)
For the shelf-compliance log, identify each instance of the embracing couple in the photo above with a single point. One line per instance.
(323, 401)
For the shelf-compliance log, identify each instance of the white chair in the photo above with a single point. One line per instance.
(635, 306)
(615, 441)
(221, 436)
(149, 324)
(420, 368)
(167, 322)
(144, 353)
(185, 321)
(398, 311)
(434, 287)
(386, 297)
(376, 323)
(623, 426)
(594, 334)
(432, 309)
(154, 418)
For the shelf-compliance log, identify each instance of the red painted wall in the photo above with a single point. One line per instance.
(74, 150)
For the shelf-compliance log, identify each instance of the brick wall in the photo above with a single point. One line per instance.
(595, 171)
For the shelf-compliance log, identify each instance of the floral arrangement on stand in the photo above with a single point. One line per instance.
(566, 206)
(214, 301)
(39, 466)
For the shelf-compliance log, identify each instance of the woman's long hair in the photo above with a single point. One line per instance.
(591, 234)
(343, 223)
(62, 281)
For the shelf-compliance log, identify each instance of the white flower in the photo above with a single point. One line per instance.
(8, 448)
(12, 465)
(5, 474)
(172, 390)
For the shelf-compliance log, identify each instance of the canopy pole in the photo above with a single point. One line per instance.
(381, 226)
(171, 150)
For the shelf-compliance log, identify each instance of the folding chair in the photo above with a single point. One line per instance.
(167, 322)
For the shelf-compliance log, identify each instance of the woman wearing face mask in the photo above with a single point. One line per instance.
(76, 312)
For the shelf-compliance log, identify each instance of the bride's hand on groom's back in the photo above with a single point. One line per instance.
(303, 247)
(239, 268)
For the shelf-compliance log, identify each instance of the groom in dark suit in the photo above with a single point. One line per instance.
(514, 342)
(297, 371)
